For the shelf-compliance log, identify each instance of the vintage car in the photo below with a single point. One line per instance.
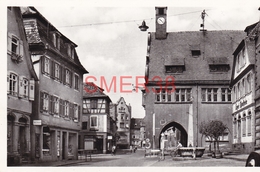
(253, 159)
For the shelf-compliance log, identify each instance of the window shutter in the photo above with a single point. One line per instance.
(9, 42)
(8, 82)
(50, 104)
(79, 113)
(42, 63)
(31, 90)
(41, 101)
(20, 87)
(71, 110)
(21, 48)
(61, 72)
(61, 109)
(64, 75)
(52, 65)
(71, 79)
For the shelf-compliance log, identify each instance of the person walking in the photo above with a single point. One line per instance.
(113, 150)
(163, 140)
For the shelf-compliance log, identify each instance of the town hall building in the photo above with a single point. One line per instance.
(199, 65)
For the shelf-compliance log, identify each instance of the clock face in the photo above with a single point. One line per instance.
(161, 20)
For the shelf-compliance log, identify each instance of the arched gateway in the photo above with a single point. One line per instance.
(174, 132)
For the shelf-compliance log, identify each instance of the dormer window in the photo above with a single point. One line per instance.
(195, 50)
(218, 64)
(70, 50)
(174, 65)
(56, 40)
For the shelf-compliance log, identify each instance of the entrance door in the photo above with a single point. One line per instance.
(63, 145)
(22, 140)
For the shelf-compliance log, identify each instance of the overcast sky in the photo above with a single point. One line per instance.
(111, 45)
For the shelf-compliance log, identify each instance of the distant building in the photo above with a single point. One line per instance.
(20, 90)
(137, 129)
(98, 128)
(123, 113)
(245, 85)
(56, 119)
(198, 63)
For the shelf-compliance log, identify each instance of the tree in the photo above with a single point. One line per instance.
(213, 129)
(204, 131)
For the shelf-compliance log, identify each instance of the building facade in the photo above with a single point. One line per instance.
(137, 129)
(243, 109)
(97, 127)
(245, 89)
(20, 89)
(56, 110)
(123, 113)
(187, 82)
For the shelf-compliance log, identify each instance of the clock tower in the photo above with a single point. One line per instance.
(160, 22)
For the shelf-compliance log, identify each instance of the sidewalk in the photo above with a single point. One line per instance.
(238, 157)
(65, 162)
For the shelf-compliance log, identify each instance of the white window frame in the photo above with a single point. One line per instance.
(66, 108)
(57, 71)
(45, 105)
(13, 84)
(76, 81)
(56, 105)
(67, 76)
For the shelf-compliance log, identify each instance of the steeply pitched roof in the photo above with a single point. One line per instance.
(38, 31)
(179, 45)
(91, 90)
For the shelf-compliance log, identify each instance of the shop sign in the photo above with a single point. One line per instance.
(37, 122)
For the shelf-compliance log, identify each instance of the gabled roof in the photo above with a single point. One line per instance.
(250, 47)
(128, 106)
(178, 46)
(38, 30)
(91, 90)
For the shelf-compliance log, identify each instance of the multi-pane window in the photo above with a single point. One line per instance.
(94, 106)
(45, 98)
(174, 69)
(56, 105)
(219, 68)
(183, 94)
(46, 65)
(24, 87)
(76, 82)
(67, 76)
(122, 125)
(57, 71)
(13, 79)
(163, 95)
(76, 111)
(66, 108)
(225, 94)
(84, 125)
(14, 45)
(122, 116)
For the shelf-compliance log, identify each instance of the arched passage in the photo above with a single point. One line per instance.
(174, 132)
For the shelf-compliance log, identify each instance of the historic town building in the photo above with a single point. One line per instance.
(56, 110)
(137, 129)
(20, 89)
(124, 114)
(245, 88)
(98, 128)
(187, 82)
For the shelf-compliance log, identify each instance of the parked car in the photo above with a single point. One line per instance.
(253, 159)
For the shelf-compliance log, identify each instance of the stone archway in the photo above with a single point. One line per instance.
(174, 132)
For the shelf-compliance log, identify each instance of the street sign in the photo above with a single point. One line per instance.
(37, 122)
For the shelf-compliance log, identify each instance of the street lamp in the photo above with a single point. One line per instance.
(143, 27)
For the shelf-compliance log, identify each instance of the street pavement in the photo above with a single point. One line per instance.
(137, 159)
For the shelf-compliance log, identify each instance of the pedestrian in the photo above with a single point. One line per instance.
(163, 140)
(135, 149)
(131, 148)
(113, 150)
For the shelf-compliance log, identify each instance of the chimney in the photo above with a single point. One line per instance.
(161, 22)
